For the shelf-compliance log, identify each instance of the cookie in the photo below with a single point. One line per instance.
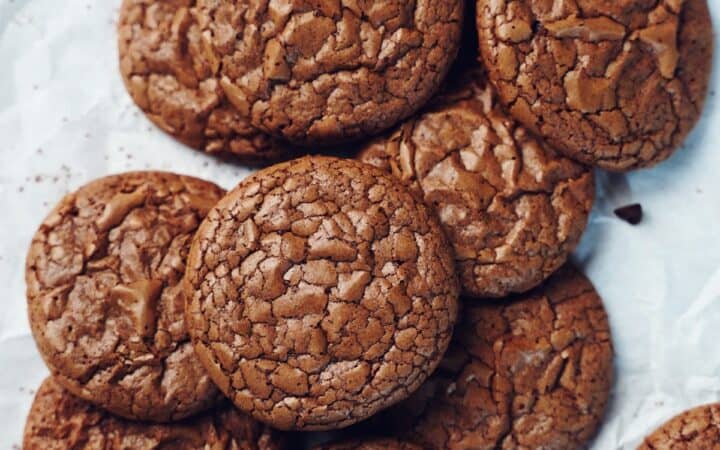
(615, 84)
(320, 292)
(163, 64)
(328, 72)
(533, 372)
(61, 421)
(371, 444)
(105, 303)
(512, 208)
(696, 429)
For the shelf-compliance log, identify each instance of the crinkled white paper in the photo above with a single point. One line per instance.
(65, 119)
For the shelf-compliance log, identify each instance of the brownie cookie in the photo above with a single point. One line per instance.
(326, 72)
(512, 208)
(531, 373)
(61, 421)
(697, 429)
(164, 66)
(104, 297)
(371, 444)
(616, 84)
(320, 291)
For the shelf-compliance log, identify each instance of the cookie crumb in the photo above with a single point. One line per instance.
(632, 214)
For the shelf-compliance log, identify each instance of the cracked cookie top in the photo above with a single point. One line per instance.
(616, 84)
(61, 421)
(696, 429)
(512, 208)
(534, 372)
(321, 72)
(320, 292)
(105, 303)
(370, 444)
(163, 62)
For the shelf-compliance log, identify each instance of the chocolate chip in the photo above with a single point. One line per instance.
(632, 214)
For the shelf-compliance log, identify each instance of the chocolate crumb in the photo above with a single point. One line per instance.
(632, 214)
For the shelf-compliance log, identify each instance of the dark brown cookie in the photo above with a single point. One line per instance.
(320, 292)
(370, 444)
(61, 421)
(696, 429)
(321, 72)
(104, 296)
(531, 373)
(164, 66)
(512, 208)
(617, 84)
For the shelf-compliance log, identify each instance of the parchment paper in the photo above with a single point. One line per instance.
(65, 119)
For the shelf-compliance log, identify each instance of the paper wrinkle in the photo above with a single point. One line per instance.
(65, 119)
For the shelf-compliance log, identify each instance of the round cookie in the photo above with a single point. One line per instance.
(534, 372)
(163, 64)
(512, 207)
(696, 429)
(320, 292)
(105, 301)
(61, 421)
(328, 72)
(616, 84)
(370, 444)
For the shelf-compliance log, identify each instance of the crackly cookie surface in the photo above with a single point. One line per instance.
(61, 421)
(534, 372)
(163, 63)
(370, 444)
(320, 291)
(696, 429)
(617, 84)
(334, 70)
(104, 300)
(512, 208)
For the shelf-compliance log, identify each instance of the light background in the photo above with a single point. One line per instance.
(65, 119)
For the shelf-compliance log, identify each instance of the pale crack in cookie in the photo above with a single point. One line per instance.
(170, 74)
(320, 292)
(614, 84)
(512, 208)
(104, 297)
(323, 72)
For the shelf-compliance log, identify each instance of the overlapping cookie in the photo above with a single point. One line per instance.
(320, 291)
(104, 294)
(696, 429)
(531, 373)
(512, 207)
(61, 421)
(328, 72)
(165, 66)
(616, 84)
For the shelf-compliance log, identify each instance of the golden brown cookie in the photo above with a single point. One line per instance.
(164, 66)
(616, 84)
(320, 292)
(370, 444)
(531, 373)
(104, 296)
(512, 207)
(330, 71)
(697, 429)
(61, 421)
